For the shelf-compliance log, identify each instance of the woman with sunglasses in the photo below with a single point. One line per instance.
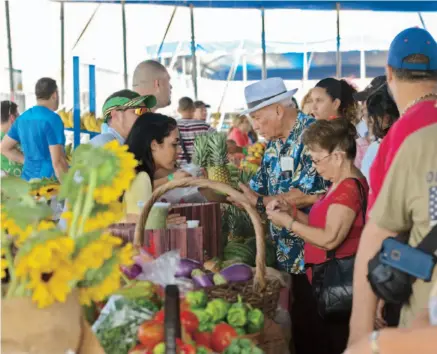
(9, 112)
(335, 222)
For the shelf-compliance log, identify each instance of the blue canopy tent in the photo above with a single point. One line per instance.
(286, 60)
(400, 6)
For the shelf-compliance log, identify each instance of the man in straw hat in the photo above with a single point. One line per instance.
(286, 168)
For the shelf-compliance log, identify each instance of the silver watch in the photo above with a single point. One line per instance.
(374, 345)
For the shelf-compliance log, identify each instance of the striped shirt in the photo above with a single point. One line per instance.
(189, 129)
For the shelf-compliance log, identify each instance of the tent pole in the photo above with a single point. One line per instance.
(422, 21)
(245, 68)
(263, 45)
(166, 32)
(193, 53)
(62, 54)
(123, 17)
(11, 67)
(338, 42)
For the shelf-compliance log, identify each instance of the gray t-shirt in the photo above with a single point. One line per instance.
(102, 139)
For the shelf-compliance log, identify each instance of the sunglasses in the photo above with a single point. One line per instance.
(138, 110)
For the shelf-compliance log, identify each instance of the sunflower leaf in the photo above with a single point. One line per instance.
(84, 240)
(14, 187)
(38, 238)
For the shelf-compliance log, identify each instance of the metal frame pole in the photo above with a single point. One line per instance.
(62, 18)
(166, 31)
(338, 42)
(263, 45)
(11, 67)
(92, 88)
(123, 17)
(76, 101)
(193, 53)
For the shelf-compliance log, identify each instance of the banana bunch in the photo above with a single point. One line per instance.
(69, 152)
(67, 117)
(90, 122)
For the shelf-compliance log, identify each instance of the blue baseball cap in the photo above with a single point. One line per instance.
(413, 41)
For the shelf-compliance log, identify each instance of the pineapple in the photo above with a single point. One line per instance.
(201, 150)
(218, 158)
(239, 224)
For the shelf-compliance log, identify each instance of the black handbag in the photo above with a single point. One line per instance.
(332, 280)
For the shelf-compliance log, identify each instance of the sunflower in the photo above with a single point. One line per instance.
(48, 191)
(51, 286)
(94, 254)
(105, 216)
(4, 263)
(126, 255)
(45, 257)
(14, 230)
(102, 290)
(125, 172)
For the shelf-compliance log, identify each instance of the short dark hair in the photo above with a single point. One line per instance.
(8, 108)
(45, 88)
(186, 104)
(415, 75)
(380, 108)
(331, 134)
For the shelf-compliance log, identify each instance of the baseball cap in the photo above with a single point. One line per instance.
(126, 99)
(409, 42)
(200, 104)
(376, 84)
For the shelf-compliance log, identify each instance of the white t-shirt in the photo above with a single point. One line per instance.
(368, 158)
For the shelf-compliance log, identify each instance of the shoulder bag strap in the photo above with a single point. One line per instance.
(363, 198)
(429, 242)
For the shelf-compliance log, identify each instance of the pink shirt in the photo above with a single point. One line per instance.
(362, 145)
(240, 138)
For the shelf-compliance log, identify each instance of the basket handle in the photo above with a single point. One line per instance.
(218, 187)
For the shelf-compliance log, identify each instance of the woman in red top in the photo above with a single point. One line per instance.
(335, 222)
(239, 132)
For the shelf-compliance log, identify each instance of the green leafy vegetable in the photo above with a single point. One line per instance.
(255, 319)
(237, 314)
(196, 299)
(218, 309)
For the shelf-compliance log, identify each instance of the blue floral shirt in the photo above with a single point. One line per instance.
(272, 180)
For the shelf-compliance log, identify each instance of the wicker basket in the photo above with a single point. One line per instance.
(261, 292)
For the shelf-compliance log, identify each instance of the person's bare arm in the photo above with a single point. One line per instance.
(59, 160)
(421, 340)
(339, 220)
(364, 300)
(8, 148)
(300, 199)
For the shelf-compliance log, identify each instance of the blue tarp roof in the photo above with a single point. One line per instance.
(413, 6)
(289, 66)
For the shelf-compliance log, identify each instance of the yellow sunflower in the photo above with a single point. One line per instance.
(126, 255)
(4, 263)
(52, 286)
(100, 220)
(13, 229)
(102, 290)
(45, 257)
(108, 193)
(46, 192)
(94, 254)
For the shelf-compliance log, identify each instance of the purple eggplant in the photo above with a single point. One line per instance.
(200, 279)
(186, 266)
(235, 273)
(133, 271)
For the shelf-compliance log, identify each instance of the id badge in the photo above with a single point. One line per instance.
(287, 164)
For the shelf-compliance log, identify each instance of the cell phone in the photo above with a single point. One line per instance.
(407, 259)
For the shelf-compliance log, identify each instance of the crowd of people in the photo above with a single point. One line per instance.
(341, 174)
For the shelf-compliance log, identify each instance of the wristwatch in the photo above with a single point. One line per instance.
(374, 345)
(260, 208)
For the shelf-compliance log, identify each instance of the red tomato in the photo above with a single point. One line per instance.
(151, 333)
(139, 349)
(186, 348)
(222, 337)
(203, 339)
(189, 321)
(159, 316)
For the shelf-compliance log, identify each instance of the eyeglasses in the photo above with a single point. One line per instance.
(316, 162)
(138, 110)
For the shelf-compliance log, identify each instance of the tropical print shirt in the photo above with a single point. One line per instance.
(271, 179)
